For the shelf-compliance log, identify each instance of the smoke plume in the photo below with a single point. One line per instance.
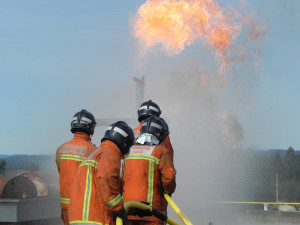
(205, 135)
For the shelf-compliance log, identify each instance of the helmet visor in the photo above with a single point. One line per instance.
(148, 139)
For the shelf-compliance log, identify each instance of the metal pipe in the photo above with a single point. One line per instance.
(22, 184)
(276, 187)
(140, 85)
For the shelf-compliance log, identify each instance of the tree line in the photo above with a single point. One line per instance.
(250, 176)
(265, 178)
(33, 167)
(2, 166)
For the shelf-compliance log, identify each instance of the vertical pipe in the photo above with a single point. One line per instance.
(139, 91)
(276, 187)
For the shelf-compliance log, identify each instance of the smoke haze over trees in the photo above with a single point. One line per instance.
(247, 175)
(2, 166)
(253, 176)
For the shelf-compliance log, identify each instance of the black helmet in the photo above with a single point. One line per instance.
(147, 109)
(156, 126)
(167, 126)
(83, 121)
(121, 134)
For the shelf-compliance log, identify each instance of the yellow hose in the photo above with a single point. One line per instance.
(119, 221)
(177, 210)
(131, 204)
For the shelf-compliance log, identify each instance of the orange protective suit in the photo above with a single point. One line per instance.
(68, 158)
(167, 144)
(149, 171)
(97, 187)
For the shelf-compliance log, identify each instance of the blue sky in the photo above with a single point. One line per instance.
(58, 57)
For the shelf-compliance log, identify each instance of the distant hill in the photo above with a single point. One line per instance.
(17, 162)
(281, 152)
(5, 156)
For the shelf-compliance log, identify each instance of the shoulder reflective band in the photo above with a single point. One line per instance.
(71, 157)
(82, 222)
(72, 149)
(65, 200)
(114, 201)
(145, 157)
(91, 155)
(92, 163)
(142, 149)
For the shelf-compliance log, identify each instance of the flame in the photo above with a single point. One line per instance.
(174, 24)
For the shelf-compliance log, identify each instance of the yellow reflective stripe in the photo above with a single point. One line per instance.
(124, 161)
(87, 194)
(145, 157)
(114, 201)
(89, 162)
(83, 222)
(71, 157)
(65, 200)
(257, 203)
(150, 182)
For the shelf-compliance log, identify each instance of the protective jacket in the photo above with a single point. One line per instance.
(167, 144)
(97, 187)
(68, 158)
(149, 171)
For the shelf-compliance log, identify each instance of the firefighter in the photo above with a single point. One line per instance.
(147, 109)
(149, 171)
(72, 153)
(96, 196)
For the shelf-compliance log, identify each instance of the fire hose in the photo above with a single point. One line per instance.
(157, 213)
(177, 210)
(154, 212)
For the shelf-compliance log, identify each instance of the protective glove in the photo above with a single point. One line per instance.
(122, 214)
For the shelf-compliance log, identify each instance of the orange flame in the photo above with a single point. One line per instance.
(175, 24)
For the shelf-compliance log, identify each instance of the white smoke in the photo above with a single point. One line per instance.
(206, 135)
(203, 134)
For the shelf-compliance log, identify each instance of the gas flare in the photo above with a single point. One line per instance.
(174, 24)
